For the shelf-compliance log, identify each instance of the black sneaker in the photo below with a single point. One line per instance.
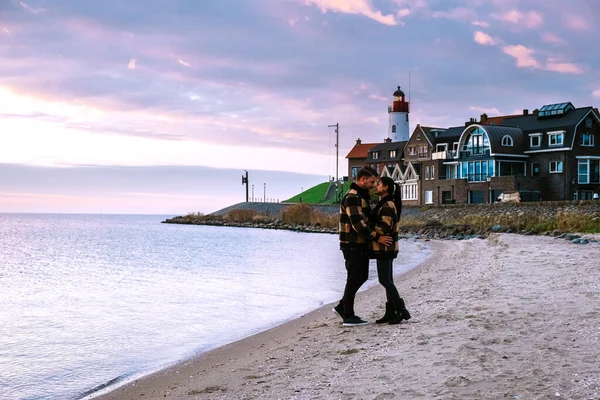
(354, 321)
(339, 310)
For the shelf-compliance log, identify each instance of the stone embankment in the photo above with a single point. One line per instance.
(427, 222)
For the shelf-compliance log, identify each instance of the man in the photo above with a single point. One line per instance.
(355, 234)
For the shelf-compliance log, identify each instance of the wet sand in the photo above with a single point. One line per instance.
(508, 317)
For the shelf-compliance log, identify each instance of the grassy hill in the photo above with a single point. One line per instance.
(316, 194)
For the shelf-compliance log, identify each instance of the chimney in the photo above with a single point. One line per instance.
(358, 141)
(387, 140)
(483, 117)
(525, 111)
(535, 112)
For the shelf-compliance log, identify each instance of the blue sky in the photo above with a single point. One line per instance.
(177, 97)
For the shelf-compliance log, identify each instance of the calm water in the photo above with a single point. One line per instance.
(88, 299)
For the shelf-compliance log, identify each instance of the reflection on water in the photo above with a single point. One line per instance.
(88, 299)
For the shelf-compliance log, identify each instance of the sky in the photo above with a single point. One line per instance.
(159, 106)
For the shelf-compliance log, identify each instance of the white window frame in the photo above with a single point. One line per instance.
(507, 141)
(429, 197)
(591, 137)
(560, 138)
(554, 167)
(535, 137)
(375, 155)
(441, 147)
(393, 153)
(587, 171)
(412, 151)
(432, 172)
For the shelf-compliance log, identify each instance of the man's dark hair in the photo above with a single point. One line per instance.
(367, 172)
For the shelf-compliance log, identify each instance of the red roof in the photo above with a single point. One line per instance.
(360, 150)
(498, 120)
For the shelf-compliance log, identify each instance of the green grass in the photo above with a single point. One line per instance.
(315, 194)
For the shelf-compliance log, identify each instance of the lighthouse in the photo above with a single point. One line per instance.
(398, 112)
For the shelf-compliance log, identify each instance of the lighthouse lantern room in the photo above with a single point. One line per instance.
(398, 127)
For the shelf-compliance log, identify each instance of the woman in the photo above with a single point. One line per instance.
(385, 217)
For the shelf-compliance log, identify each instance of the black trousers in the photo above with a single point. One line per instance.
(357, 268)
(386, 278)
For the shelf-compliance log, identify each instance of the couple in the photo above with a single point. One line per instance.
(368, 234)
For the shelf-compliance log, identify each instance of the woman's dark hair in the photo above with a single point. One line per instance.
(393, 189)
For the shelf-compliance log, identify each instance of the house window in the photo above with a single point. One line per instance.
(393, 128)
(452, 172)
(535, 169)
(392, 153)
(428, 197)
(418, 136)
(587, 139)
(426, 173)
(355, 172)
(555, 138)
(507, 141)
(441, 147)
(588, 171)
(587, 195)
(477, 171)
(432, 172)
(423, 152)
(556, 167)
(412, 151)
(375, 155)
(535, 140)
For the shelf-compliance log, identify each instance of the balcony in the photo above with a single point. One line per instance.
(443, 155)
(474, 152)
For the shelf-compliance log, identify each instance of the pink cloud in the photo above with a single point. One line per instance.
(523, 55)
(485, 39)
(491, 111)
(551, 38)
(596, 93)
(576, 22)
(553, 64)
(531, 19)
(459, 13)
(356, 7)
(131, 64)
(480, 23)
(33, 10)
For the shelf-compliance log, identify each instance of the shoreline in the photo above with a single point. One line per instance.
(511, 316)
(112, 389)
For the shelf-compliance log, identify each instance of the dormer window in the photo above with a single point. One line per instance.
(375, 155)
(392, 153)
(556, 138)
(535, 140)
(507, 141)
(393, 128)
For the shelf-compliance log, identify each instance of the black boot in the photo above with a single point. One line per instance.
(403, 311)
(400, 313)
(390, 313)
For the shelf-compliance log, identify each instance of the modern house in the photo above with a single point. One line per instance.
(549, 154)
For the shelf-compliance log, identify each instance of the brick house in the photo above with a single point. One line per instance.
(357, 157)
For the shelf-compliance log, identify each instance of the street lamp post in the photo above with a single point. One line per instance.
(265, 193)
(488, 179)
(253, 193)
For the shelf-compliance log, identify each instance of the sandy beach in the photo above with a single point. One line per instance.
(508, 317)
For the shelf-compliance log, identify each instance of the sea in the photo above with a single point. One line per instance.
(90, 302)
